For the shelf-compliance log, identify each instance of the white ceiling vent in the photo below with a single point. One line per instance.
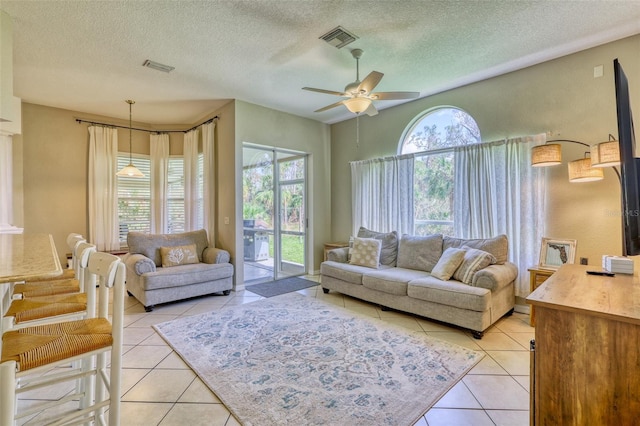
(158, 66)
(339, 37)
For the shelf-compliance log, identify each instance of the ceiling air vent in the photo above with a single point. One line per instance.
(158, 66)
(339, 37)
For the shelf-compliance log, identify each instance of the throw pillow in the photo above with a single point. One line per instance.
(473, 261)
(178, 255)
(389, 250)
(419, 253)
(366, 252)
(497, 246)
(449, 262)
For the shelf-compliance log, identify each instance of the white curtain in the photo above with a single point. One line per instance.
(103, 188)
(208, 152)
(159, 149)
(190, 154)
(498, 192)
(382, 194)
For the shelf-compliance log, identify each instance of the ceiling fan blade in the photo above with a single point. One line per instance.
(370, 81)
(371, 110)
(328, 92)
(387, 96)
(330, 106)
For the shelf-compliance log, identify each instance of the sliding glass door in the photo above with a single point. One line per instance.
(274, 213)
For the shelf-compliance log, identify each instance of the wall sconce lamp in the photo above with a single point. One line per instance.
(587, 169)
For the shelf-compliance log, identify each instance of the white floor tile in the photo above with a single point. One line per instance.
(160, 389)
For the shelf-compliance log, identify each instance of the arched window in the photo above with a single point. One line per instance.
(432, 136)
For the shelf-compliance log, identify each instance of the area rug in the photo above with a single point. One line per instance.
(278, 287)
(296, 360)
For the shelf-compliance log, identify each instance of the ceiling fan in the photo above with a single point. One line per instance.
(359, 93)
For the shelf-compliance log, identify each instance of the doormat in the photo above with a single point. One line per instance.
(278, 287)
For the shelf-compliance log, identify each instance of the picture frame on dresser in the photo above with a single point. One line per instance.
(556, 252)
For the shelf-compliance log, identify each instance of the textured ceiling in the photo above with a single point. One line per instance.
(87, 55)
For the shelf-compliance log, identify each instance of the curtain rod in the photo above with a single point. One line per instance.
(79, 120)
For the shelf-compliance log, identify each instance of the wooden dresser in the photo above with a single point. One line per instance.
(586, 363)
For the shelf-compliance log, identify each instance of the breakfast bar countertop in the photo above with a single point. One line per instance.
(28, 256)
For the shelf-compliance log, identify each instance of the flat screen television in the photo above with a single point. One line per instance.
(629, 166)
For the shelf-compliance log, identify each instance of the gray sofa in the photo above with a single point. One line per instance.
(208, 270)
(403, 279)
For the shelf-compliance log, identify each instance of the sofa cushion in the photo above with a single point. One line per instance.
(450, 293)
(345, 271)
(366, 252)
(149, 244)
(449, 262)
(389, 249)
(421, 253)
(186, 275)
(474, 260)
(497, 246)
(392, 280)
(178, 255)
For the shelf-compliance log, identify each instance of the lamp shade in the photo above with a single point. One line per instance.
(605, 154)
(546, 155)
(130, 171)
(581, 171)
(357, 105)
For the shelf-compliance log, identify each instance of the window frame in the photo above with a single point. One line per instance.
(144, 164)
(409, 130)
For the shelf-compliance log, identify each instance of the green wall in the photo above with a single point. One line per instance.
(560, 97)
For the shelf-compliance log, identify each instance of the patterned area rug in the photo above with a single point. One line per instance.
(298, 360)
(278, 287)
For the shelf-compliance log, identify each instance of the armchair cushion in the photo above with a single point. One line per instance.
(149, 244)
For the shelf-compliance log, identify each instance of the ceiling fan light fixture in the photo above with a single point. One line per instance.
(357, 105)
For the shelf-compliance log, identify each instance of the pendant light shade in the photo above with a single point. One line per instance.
(546, 155)
(130, 170)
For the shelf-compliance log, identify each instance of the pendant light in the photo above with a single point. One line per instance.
(130, 170)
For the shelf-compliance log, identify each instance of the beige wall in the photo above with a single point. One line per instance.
(50, 162)
(51, 157)
(560, 96)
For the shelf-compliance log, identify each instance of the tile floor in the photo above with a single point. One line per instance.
(159, 389)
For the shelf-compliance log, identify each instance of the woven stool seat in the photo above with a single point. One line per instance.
(47, 288)
(35, 308)
(66, 275)
(40, 345)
